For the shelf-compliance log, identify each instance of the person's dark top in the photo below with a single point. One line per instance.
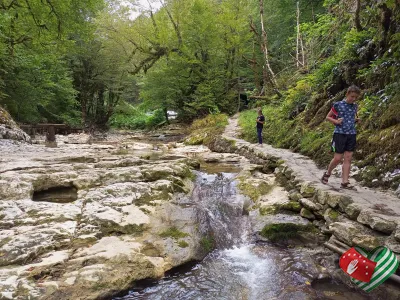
(262, 119)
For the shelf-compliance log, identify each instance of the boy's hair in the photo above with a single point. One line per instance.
(259, 111)
(354, 89)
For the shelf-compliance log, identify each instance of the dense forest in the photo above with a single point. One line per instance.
(126, 63)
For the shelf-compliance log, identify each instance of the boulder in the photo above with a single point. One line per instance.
(397, 234)
(294, 195)
(322, 197)
(331, 216)
(377, 222)
(305, 213)
(307, 190)
(353, 210)
(353, 233)
(10, 130)
(338, 201)
(315, 207)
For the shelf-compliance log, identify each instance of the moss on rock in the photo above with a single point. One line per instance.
(283, 231)
(174, 233)
(254, 189)
(276, 208)
(183, 244)
(207, 243)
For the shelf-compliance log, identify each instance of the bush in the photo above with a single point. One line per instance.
(127, 116)
(203, 131)
(156, 119)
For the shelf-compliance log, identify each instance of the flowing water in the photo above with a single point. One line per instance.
(238, 268)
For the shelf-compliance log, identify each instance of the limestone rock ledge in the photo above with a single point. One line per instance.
(120, 222)
(10, 130)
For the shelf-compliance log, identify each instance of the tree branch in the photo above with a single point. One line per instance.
(176, 27)
(52, 10)
(357, 22)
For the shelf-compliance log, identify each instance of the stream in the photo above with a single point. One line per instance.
(238, 267)
(87, 221)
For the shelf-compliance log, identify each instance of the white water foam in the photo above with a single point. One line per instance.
(257, 271)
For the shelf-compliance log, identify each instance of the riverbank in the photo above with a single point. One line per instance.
(86, 219)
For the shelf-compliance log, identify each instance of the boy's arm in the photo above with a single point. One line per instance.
(331, 118)
(356, 117)
(259, 121)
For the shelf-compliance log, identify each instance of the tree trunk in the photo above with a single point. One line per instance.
(238, 89)
(298, 36)
(255, 71)
(83, 110)
(264, 46)
(357, 22)
(166, 115)
(299, 41)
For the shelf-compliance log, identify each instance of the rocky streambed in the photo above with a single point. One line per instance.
(83, 221)
(92, 221)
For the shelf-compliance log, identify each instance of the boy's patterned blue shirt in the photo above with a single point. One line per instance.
(348, 112)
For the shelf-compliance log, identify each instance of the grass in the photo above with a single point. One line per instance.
(203, 131)
(174, 233)
(207, 243)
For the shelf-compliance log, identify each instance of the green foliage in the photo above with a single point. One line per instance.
(156, 119)
(207, 243)
(203, 131)
(34, 41)
(127, 116)
(174, 233)
(190, 51)
(42, 80)
(353, 41)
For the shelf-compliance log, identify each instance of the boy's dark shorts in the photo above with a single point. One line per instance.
(343, 142)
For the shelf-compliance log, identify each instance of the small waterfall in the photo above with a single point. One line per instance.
(236, 269)
(221, 210)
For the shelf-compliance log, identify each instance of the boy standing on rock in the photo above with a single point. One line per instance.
(344, 116)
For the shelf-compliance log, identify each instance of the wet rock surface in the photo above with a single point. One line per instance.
(84, 221)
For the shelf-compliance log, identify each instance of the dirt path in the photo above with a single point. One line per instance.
(383, 204)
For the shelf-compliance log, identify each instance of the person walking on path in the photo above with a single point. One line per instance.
(343, 115)
(260, 124)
